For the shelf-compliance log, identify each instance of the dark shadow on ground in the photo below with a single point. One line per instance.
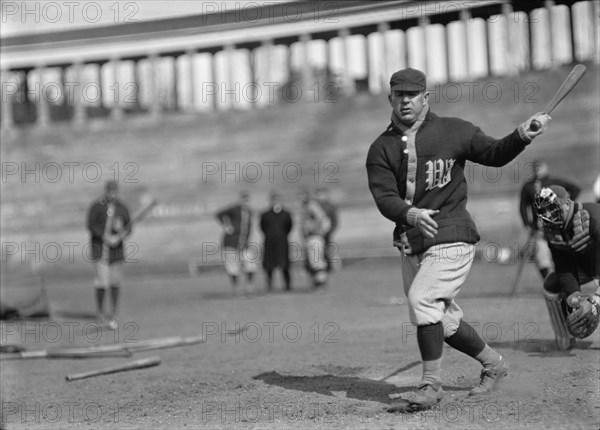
(400, 370)
(544, 348)
(74, 315)
(354, 387)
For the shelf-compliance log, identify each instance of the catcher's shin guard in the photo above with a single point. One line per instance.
(558, 320)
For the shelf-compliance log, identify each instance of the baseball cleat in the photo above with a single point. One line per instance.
(490, 378)
(424, 398)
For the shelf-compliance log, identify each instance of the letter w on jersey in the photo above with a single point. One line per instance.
(438, 173)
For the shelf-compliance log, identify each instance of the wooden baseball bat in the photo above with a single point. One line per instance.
(566, 87)
(164, 343)
(138, 216)
(132, 365)
(89, 352)
(111, 350)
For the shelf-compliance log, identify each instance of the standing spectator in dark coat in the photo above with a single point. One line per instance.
(276, 224)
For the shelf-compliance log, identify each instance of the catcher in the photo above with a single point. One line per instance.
(572, 231)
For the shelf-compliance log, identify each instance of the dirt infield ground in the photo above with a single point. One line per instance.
(294, 360)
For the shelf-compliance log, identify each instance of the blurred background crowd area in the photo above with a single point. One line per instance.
(273, 104)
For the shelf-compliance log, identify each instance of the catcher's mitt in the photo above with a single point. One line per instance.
(584, 316)
(581, 231)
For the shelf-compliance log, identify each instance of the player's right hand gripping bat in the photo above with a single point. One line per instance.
(566, 87)
(144, 210)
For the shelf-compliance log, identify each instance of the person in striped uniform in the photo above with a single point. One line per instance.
(415, 172)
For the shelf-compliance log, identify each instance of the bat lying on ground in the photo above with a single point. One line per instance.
(111, 350)
(566, 87)
(166, 342)
(132, 365)
(94, 352)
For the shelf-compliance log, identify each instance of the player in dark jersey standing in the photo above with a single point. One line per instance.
(416, 175)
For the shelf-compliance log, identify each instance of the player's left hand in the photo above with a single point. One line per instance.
(581, 231)
(426, 224)
(525, 130)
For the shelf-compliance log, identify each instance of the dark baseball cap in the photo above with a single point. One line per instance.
(408, 80)
(561, 192)
(111, 185)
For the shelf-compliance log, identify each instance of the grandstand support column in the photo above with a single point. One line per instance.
(368, 55)
(423, 23)
(253, 55)
(229, 89)
(154, 93)
(383, 28)
(79, 114)
(406, 48)
(213, 69)
(448, 48)
(175, 85)
(63, 88)
(191, 72)
(7, 121)
(267, 50)
(488, 47)
(136, 94)
(548, 4)
(530, 27)
(100, 85)
(305, 67)
(572, 25)
(349, 86)
(43, 108)
(507, 11)
(465, 17)
(595, 30)
(116, 112)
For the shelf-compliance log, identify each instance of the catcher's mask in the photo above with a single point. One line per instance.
(549, 209)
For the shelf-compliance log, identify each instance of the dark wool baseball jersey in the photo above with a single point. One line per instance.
(240, 219)
(423, 167)
(576, 268)
(96, 222)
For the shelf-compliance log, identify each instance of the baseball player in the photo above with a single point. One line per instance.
(236, 221)
(314, 224)
(108, 223)
(541, 178)
(332, 213)
(572, 231)
(416, 176)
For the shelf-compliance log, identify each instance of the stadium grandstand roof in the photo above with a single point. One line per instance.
(248, 27)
